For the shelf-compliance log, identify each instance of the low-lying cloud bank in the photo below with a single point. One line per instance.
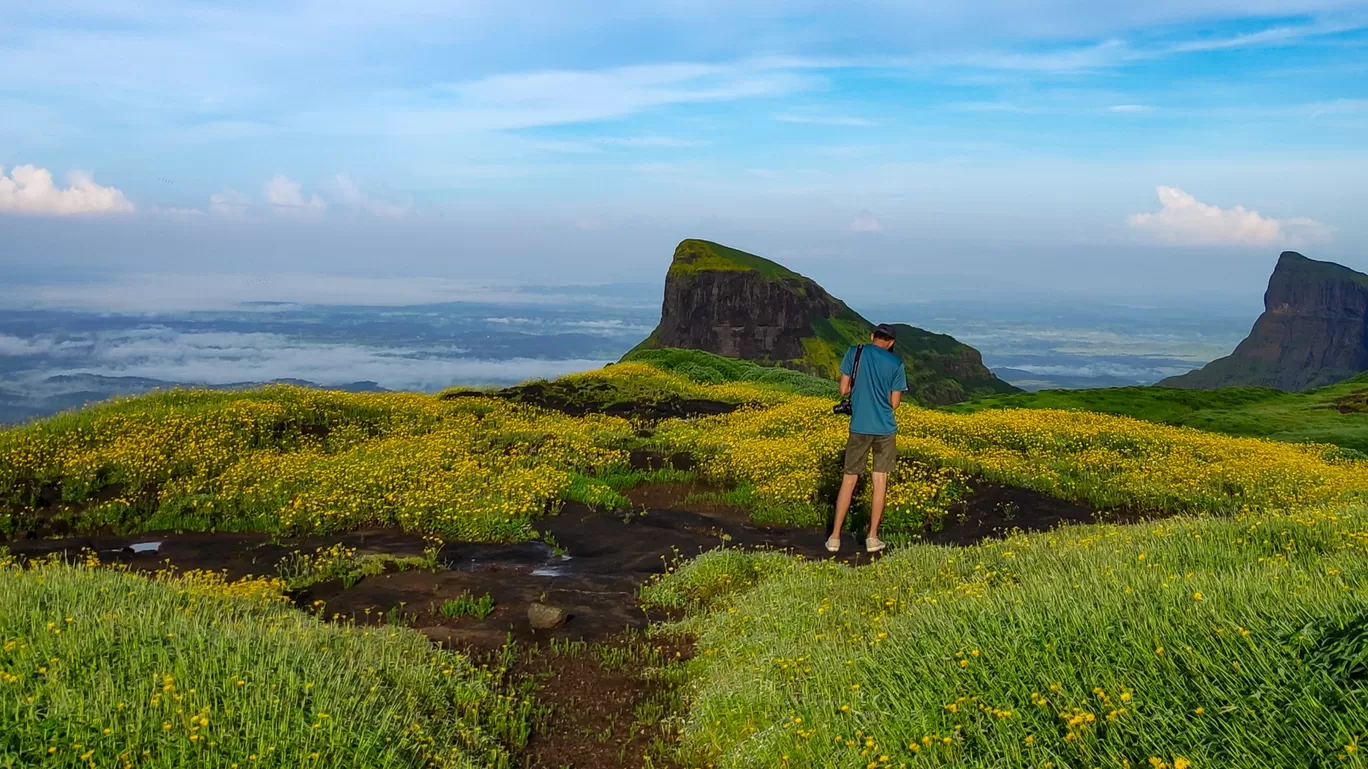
(228, 357)
(168, 293)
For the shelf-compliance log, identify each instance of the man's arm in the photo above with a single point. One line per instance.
(899, 384)
(847, 368)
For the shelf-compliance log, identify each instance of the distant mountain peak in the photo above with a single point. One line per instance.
(1313, 332)
(732, 303)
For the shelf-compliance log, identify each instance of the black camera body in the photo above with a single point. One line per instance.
(844, 406)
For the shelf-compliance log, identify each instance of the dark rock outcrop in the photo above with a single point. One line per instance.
(1313, 332)
(738, 305)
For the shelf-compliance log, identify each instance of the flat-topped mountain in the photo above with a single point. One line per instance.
(1313, 332)
(740, 305)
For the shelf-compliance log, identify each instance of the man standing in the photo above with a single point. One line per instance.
(875, 390)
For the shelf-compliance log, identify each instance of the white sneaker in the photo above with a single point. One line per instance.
(874, 544)
(833, 545)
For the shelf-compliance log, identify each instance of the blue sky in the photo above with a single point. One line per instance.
(889, 148)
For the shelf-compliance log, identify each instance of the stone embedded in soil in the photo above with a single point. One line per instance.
(545, 616)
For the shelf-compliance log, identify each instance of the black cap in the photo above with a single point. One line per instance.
(883, 329)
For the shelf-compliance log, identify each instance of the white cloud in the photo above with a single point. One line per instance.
(283, 196)
(229, 203)
(1339, 107)
(519, 100)
(1129, 108)
(1272, 36)
(1182, 219)
(649, 141)
(836, 120)
(1301, 229)
(14, 346)
(176, 211)
(352, 196)
(29, 189)
(865, 222)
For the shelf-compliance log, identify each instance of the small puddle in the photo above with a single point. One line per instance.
(553, 570)
(146, 547)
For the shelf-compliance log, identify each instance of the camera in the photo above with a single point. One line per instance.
(842, 408)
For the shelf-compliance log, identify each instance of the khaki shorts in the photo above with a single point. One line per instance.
(858, 446)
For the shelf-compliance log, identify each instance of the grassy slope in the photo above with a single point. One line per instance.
(101, 668)
(694, 256)
(294, 461)
(706, 368)
(1244, 411)
(1202, 643)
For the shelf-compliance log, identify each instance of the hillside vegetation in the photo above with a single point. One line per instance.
(1231, 643)
(102, 668)
(1337, 414)
(1233, 633)
(288, 460)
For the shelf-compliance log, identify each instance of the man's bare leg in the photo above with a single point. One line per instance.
(876, 508)
(843, 504)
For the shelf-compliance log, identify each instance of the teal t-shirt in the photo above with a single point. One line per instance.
(881, 372)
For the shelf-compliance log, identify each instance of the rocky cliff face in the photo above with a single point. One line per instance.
(742, 314)
(1313, 332)
(739, 305)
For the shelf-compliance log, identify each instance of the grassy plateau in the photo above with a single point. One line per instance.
(1231, 631)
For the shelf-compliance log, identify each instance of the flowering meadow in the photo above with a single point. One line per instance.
(1193, 642)
(294, 461)
(1230, 632)
(788, 454)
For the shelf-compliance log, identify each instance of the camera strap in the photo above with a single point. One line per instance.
(855, 368)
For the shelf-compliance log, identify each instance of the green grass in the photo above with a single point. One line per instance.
(1215, 642)
(102, 668)
(466, 605)
(342, 563)
(1256, 412)
(706, 368)
(694, 256)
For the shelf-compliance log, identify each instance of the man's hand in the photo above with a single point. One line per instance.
(895, 398)
(845, 385)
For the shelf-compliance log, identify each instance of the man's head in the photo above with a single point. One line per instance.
(884, 335)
